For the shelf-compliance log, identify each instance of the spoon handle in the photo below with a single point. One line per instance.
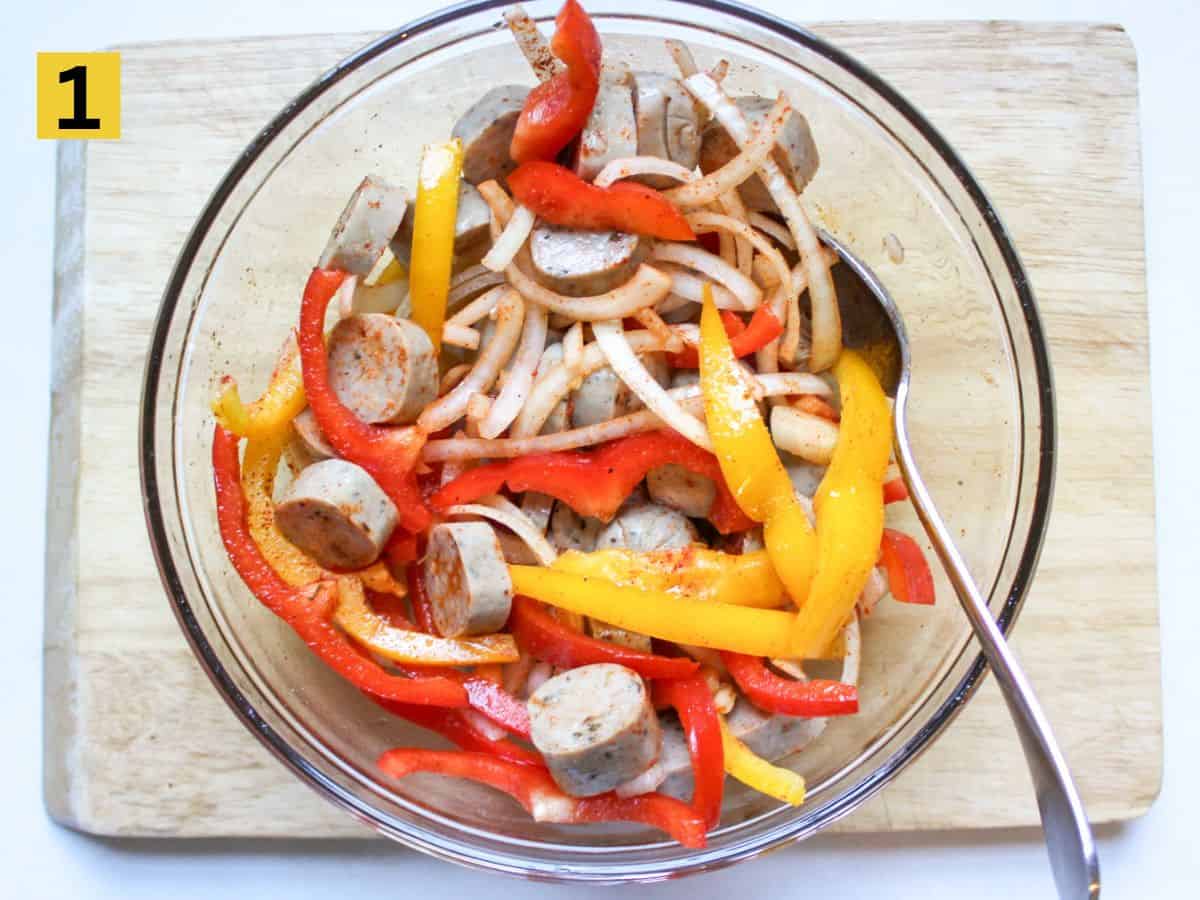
(1068, 835)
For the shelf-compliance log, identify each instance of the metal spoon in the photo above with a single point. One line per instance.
(872, 323)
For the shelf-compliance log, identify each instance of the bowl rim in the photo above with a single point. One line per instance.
(702, 861)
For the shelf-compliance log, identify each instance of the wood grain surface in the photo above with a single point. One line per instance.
(138, 743)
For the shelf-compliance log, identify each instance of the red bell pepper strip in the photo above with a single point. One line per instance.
(561, 197)
(556, 110)
(596, 482)
(545, 639)
(815, 406)
(535, 790)
(693, 700)
(311, 617)
(743, 339)
(387, 453)
(776, 694)
(909, 578)
(895, 491)
(422, 610)
(457, 728)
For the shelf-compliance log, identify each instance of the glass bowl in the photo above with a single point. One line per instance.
(981, 409)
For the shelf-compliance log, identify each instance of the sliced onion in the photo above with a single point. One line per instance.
(688, 397)
(478, 308)
(873, 591)
(511, 240)
(852, 661)
(445, 411)
(645, 783)
(683, 57)
(478, 406)
(731, 203)
(647, 286)
(460, 336)
(777, 230)
(718, 72)
(502, 511)
(498, 202)
(532, 43)
(754, 152)
(452, 377)
(826, 318)
(463, 289)
(631, 166)
(671, 303)
(554, 385)
(690, 287)
(727, 249)
(748, 294)
(802, 434)
(707, 221)
(624, 362)
(519, 378)
(572, 357)
(653, 322)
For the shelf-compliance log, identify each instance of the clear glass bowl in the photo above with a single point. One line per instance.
(982, 413)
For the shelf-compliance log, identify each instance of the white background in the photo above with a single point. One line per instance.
(1151, 858)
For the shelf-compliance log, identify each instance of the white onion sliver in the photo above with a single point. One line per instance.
(519, 378)
(707, 221)
(689, 286)
(483, 725)
(532, 43)
(647, 286)
(510, 314)
(511, 240)
(629, 166)
(624, 362)
(572, 343)
(539, 675)
(852, 661)
(460, 336)
(469, 287)
(777, 230)
(731, 203)
(683, 57)
(478, 308)
(503, 512)
(641, 784)
(748, 294)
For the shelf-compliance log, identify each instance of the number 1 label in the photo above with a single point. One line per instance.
(79, 95)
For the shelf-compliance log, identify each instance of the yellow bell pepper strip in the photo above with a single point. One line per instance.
(742, 580)
(848, 505)
(670, 617)
(271, 413)
(433, 236)
(374, 632)
(755, 772)
(748, 459)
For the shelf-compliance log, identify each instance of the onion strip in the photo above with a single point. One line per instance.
(688, 286)
(624, 362)
(826, 317)
(519, 378)
(706, 221)
(532, 43)
(511, 240)
(510, 314)
(777, 230)
(502, 511)
(653, 322)
(731, 203)
(748, 294)
(478, 308)
(460, 336)
(631, 166)
(683, 57)
(753, 154)
(463, 289)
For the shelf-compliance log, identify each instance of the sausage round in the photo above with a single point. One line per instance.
(472, 231)
(571, 531)
(611, 131)
(795, 151)
(365, 227)
(486, 130)
(582, 263)
(382, 368)
(648, 526)
(595, 727)
(668, 123)
(467, 579)
(679, 488)
(336, 513)
(310, 438)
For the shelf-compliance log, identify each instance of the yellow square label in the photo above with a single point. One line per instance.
(79, 95)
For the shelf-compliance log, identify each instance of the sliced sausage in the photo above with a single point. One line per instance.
(571, 531)
(466, 579)
(681, 489)
(583, 263)
(648, 526)
(382, 368)
(336, 513)
(600, 398)
(668, 123)
(310, 439)
(369, 221)
(559, 417)
(611, 131)
(472, 234)
(595, 727)
(795, 151)
(486, 130)
(604, 632)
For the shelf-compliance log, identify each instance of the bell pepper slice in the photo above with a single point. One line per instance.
(909, 578)
(308, 613)
(895, 491)
(545, 639)
(378, 635)
(561, 197)
(748, 458)
(764, 327)
(755, 772)
(434, 215)
(848, 505)
(746, 579)
(815, 406)
(596, 482)
(776, 694)
(387, 453)
(557, 109)
(534, 789)
(669, 617)
(693, 700)
(457, 728)
(272, 412)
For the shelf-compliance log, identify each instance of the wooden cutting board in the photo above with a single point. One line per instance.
(138, 743)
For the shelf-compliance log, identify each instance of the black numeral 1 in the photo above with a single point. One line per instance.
(79, 118)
